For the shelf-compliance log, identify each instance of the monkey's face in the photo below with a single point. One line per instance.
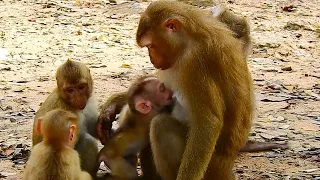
(164, 44)
(160, 53)
(76, 94)
(161, 96)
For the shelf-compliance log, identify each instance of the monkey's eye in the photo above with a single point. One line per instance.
(81, 87)
(69, 90)
(162, 88)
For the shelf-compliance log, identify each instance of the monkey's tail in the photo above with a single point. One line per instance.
(255, 146)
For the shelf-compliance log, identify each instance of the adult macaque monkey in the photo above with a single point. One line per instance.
(203, 63)
(73, 93)
(147, 97)
(54, 157)
(216, 72)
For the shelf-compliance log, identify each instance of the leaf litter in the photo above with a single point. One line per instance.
(37, 37)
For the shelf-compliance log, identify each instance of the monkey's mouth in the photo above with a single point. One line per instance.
(170, 98)
(81, 107)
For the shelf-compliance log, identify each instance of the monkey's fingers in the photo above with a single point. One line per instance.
(103, 134)
(104, 125)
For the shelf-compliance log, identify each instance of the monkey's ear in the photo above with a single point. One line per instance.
(172, 25)
(38, 127)
(143, 106)
(72, 129)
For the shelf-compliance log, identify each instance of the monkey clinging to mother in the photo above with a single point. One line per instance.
(199, 58)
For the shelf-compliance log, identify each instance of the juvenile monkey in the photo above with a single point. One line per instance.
(147, 97)
(54, 158)
(238, 25)
(74, 93)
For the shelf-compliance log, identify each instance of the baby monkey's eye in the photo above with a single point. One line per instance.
(162, 88)
(69, 90)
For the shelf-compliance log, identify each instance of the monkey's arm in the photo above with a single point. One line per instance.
(108, 112)
(206, 122)
(118, 100)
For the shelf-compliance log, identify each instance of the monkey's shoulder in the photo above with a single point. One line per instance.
(53, 101)
(59, 159)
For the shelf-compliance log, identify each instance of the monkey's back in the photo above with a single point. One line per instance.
(48, 163)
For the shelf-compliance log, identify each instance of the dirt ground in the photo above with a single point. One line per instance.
(36, 39)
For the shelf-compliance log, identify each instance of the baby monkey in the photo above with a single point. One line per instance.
(147, 97)
(54, 157)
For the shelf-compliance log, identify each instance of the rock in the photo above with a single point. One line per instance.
(288, 8)
(284, 127)
(288, 68)
(13, 119)
(293, 26)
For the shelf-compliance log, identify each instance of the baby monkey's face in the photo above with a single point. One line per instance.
(161, 95)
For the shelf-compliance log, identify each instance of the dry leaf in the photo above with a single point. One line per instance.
(125, 66)
(79, 32)
(102, 37)
(308, 92)
(32, 20)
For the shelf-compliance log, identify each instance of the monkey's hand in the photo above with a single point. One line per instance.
(108, 114)
(104, 124)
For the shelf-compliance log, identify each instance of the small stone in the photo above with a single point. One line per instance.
(280, 118)
(284, 127)
(292, 26)
(13, 119)
(288, 68)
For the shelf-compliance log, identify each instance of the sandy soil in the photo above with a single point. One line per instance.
(284, 64)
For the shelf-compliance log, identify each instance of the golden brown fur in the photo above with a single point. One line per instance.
(147, 97)
(54, 157)
(241, 30)
(64, 164)
(76, 76)
(209, 71)
(238, 25)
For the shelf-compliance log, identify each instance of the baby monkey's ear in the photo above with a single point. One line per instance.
(72, 129)
(143, 106)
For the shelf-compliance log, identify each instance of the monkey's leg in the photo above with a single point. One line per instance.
(132, 159)
(147, 164)
(122, 169)
(220, 167)
(168, 140)
(87, 148)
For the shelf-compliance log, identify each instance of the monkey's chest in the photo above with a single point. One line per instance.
(179, 111)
